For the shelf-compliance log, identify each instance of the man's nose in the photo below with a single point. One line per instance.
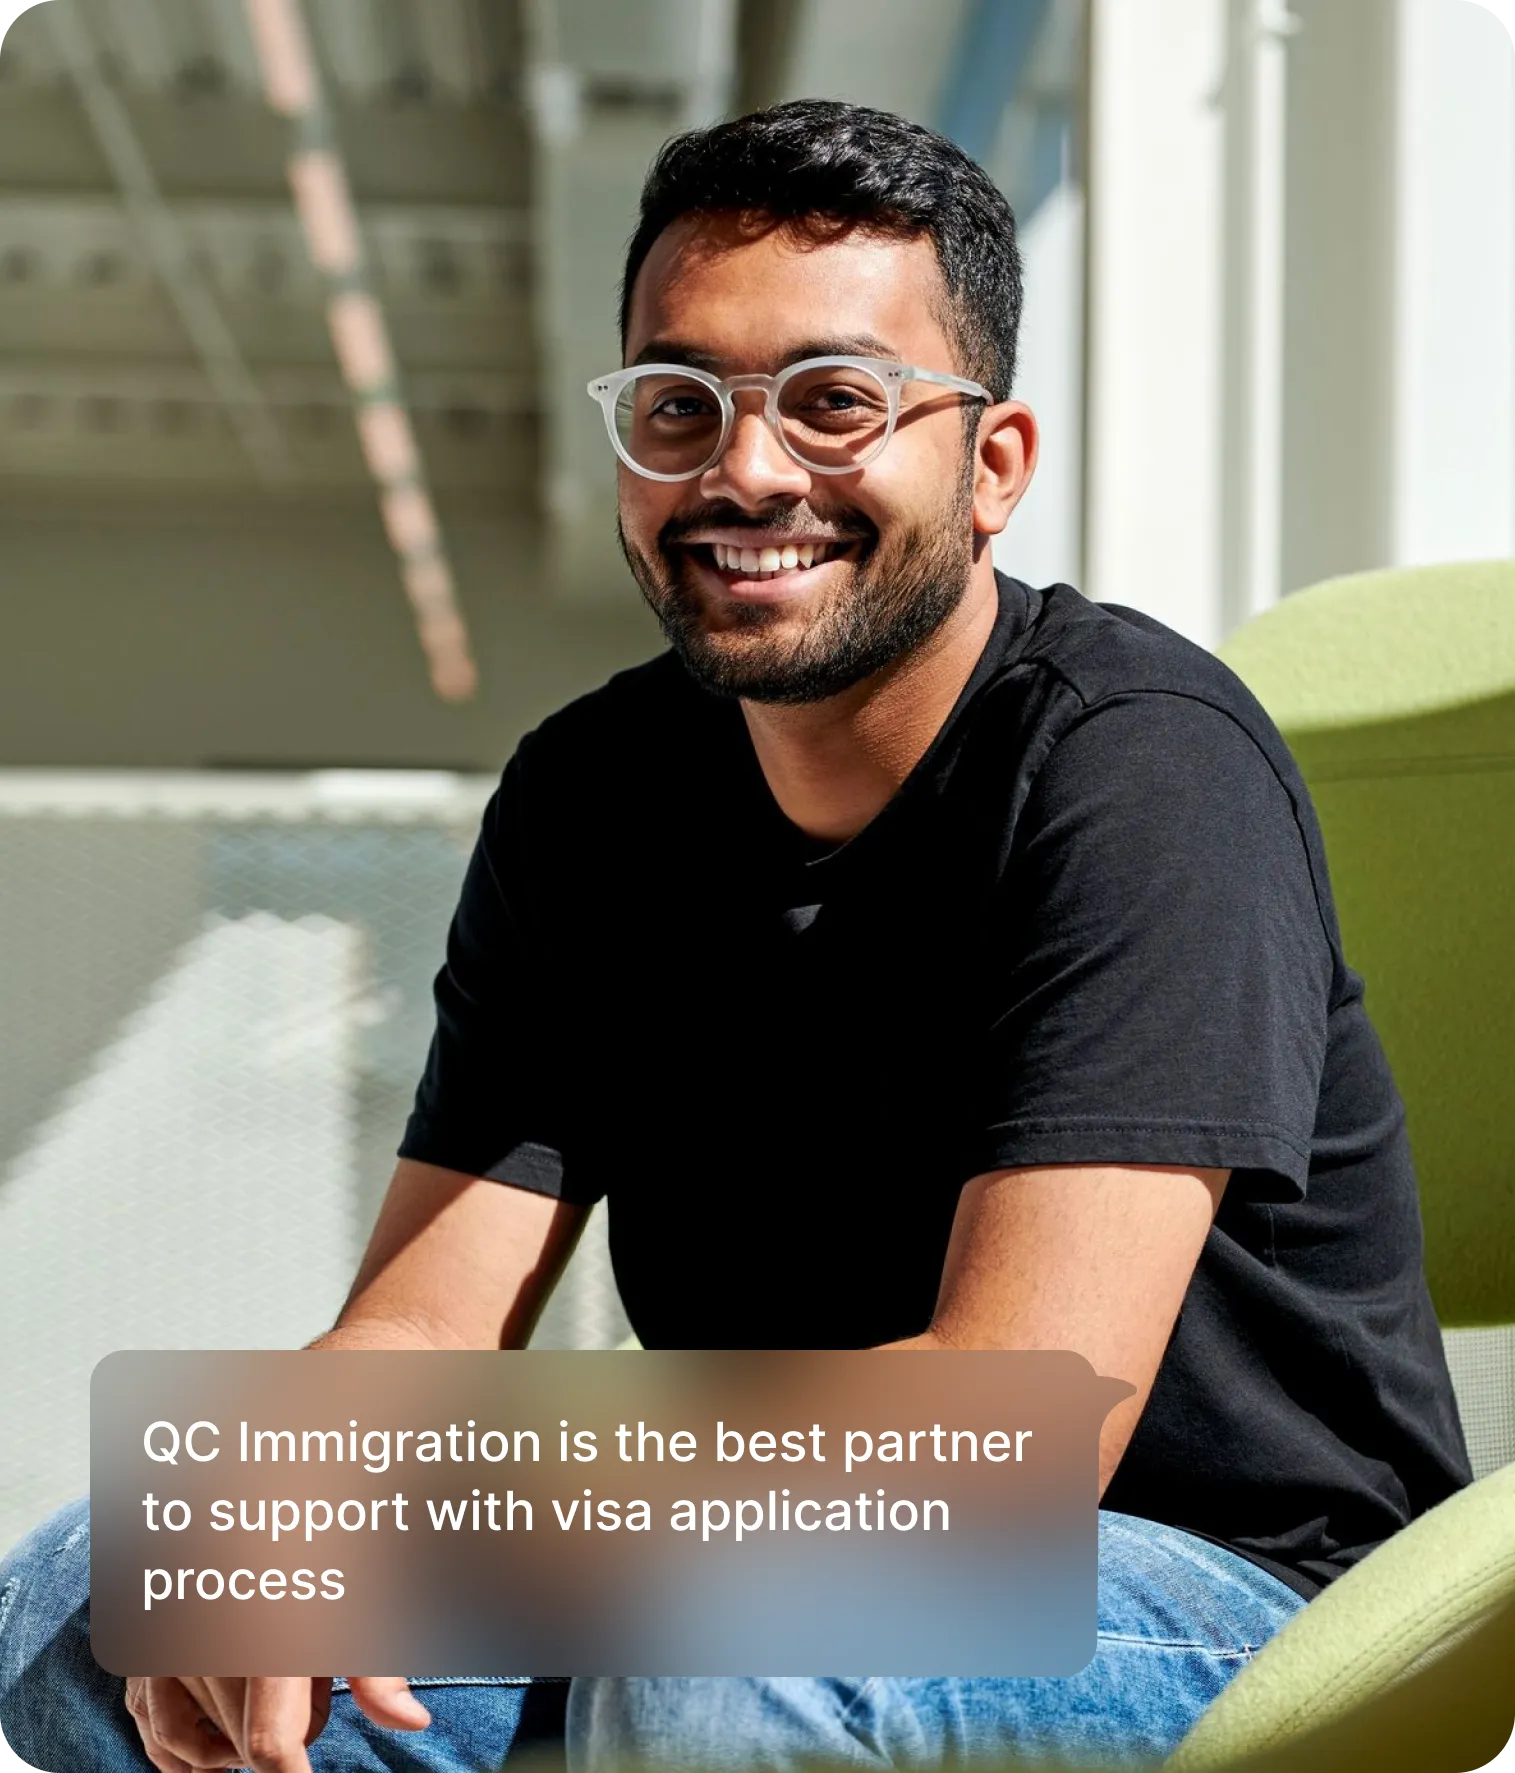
(754, 467)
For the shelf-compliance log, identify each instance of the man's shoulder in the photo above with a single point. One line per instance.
(1128, 718)
(1100, 651)
(1120, 666)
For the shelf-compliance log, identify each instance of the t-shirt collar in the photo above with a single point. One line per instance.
(1019, 606)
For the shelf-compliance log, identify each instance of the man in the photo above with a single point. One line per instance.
(911, 959)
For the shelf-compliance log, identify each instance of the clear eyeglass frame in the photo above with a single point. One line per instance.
(891, 376)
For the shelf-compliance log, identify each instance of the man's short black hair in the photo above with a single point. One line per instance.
(819, 160)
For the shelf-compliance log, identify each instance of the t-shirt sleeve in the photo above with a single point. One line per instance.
(1161, 982)
(489, 1101)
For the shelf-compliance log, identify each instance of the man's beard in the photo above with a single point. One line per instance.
(893, 601)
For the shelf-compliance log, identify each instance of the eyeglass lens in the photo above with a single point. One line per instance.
(830, 416)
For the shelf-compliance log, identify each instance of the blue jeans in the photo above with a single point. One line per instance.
(60, 1711)
(1177, 1618)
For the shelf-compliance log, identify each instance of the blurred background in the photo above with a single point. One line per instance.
(305, 516)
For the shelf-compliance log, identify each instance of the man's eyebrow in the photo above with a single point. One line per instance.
(672, 351)
(862, 344)
(859, 344)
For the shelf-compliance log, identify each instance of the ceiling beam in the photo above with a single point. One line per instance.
(299, 387)
(163, 242)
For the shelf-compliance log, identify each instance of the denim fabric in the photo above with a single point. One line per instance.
(1177, 1618)
(61, 1712)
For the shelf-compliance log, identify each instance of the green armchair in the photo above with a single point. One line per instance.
(1396, 692)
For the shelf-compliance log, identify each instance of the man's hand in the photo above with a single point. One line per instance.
(190, 1723)
(454, 1262)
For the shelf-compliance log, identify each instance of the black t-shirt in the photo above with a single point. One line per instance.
(1093, 926)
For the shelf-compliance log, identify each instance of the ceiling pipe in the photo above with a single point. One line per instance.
(355, 317)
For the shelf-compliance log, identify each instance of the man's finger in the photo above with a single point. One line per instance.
(388, 1700)
(320, 1707)
(220, 1702)
(164, 1759)
(274, 1722)
(177, 1724)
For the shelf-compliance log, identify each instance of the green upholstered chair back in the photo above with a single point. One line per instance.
(1396, 693)
(1395, 1613)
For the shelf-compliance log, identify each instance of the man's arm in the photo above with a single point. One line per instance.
(455, 1261)
(1094, 1258)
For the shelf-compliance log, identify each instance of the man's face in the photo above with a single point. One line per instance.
(893, 541)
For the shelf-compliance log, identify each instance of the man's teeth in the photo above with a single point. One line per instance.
(762, 563)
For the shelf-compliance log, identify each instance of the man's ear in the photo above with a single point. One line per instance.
(1008, 442)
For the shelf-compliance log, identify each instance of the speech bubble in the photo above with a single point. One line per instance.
(689, 1514)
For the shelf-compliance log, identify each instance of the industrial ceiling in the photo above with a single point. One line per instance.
(167, 316)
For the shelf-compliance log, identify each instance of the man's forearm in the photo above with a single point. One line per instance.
(455, 1262)
(1113, 1437)
(392, 1333)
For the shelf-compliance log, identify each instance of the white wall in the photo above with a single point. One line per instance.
(1454, 460)
(1043, 543)
(1044, 539)
(1156, 173)
(1371, 421)
(1339, 290)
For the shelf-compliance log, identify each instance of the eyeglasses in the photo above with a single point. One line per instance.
(833, 415)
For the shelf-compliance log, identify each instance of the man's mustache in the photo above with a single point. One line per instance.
(797, 523)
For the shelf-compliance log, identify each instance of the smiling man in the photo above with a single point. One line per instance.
(910, 958)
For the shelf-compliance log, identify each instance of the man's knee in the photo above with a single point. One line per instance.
(44, 1580)
(44, 1617)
